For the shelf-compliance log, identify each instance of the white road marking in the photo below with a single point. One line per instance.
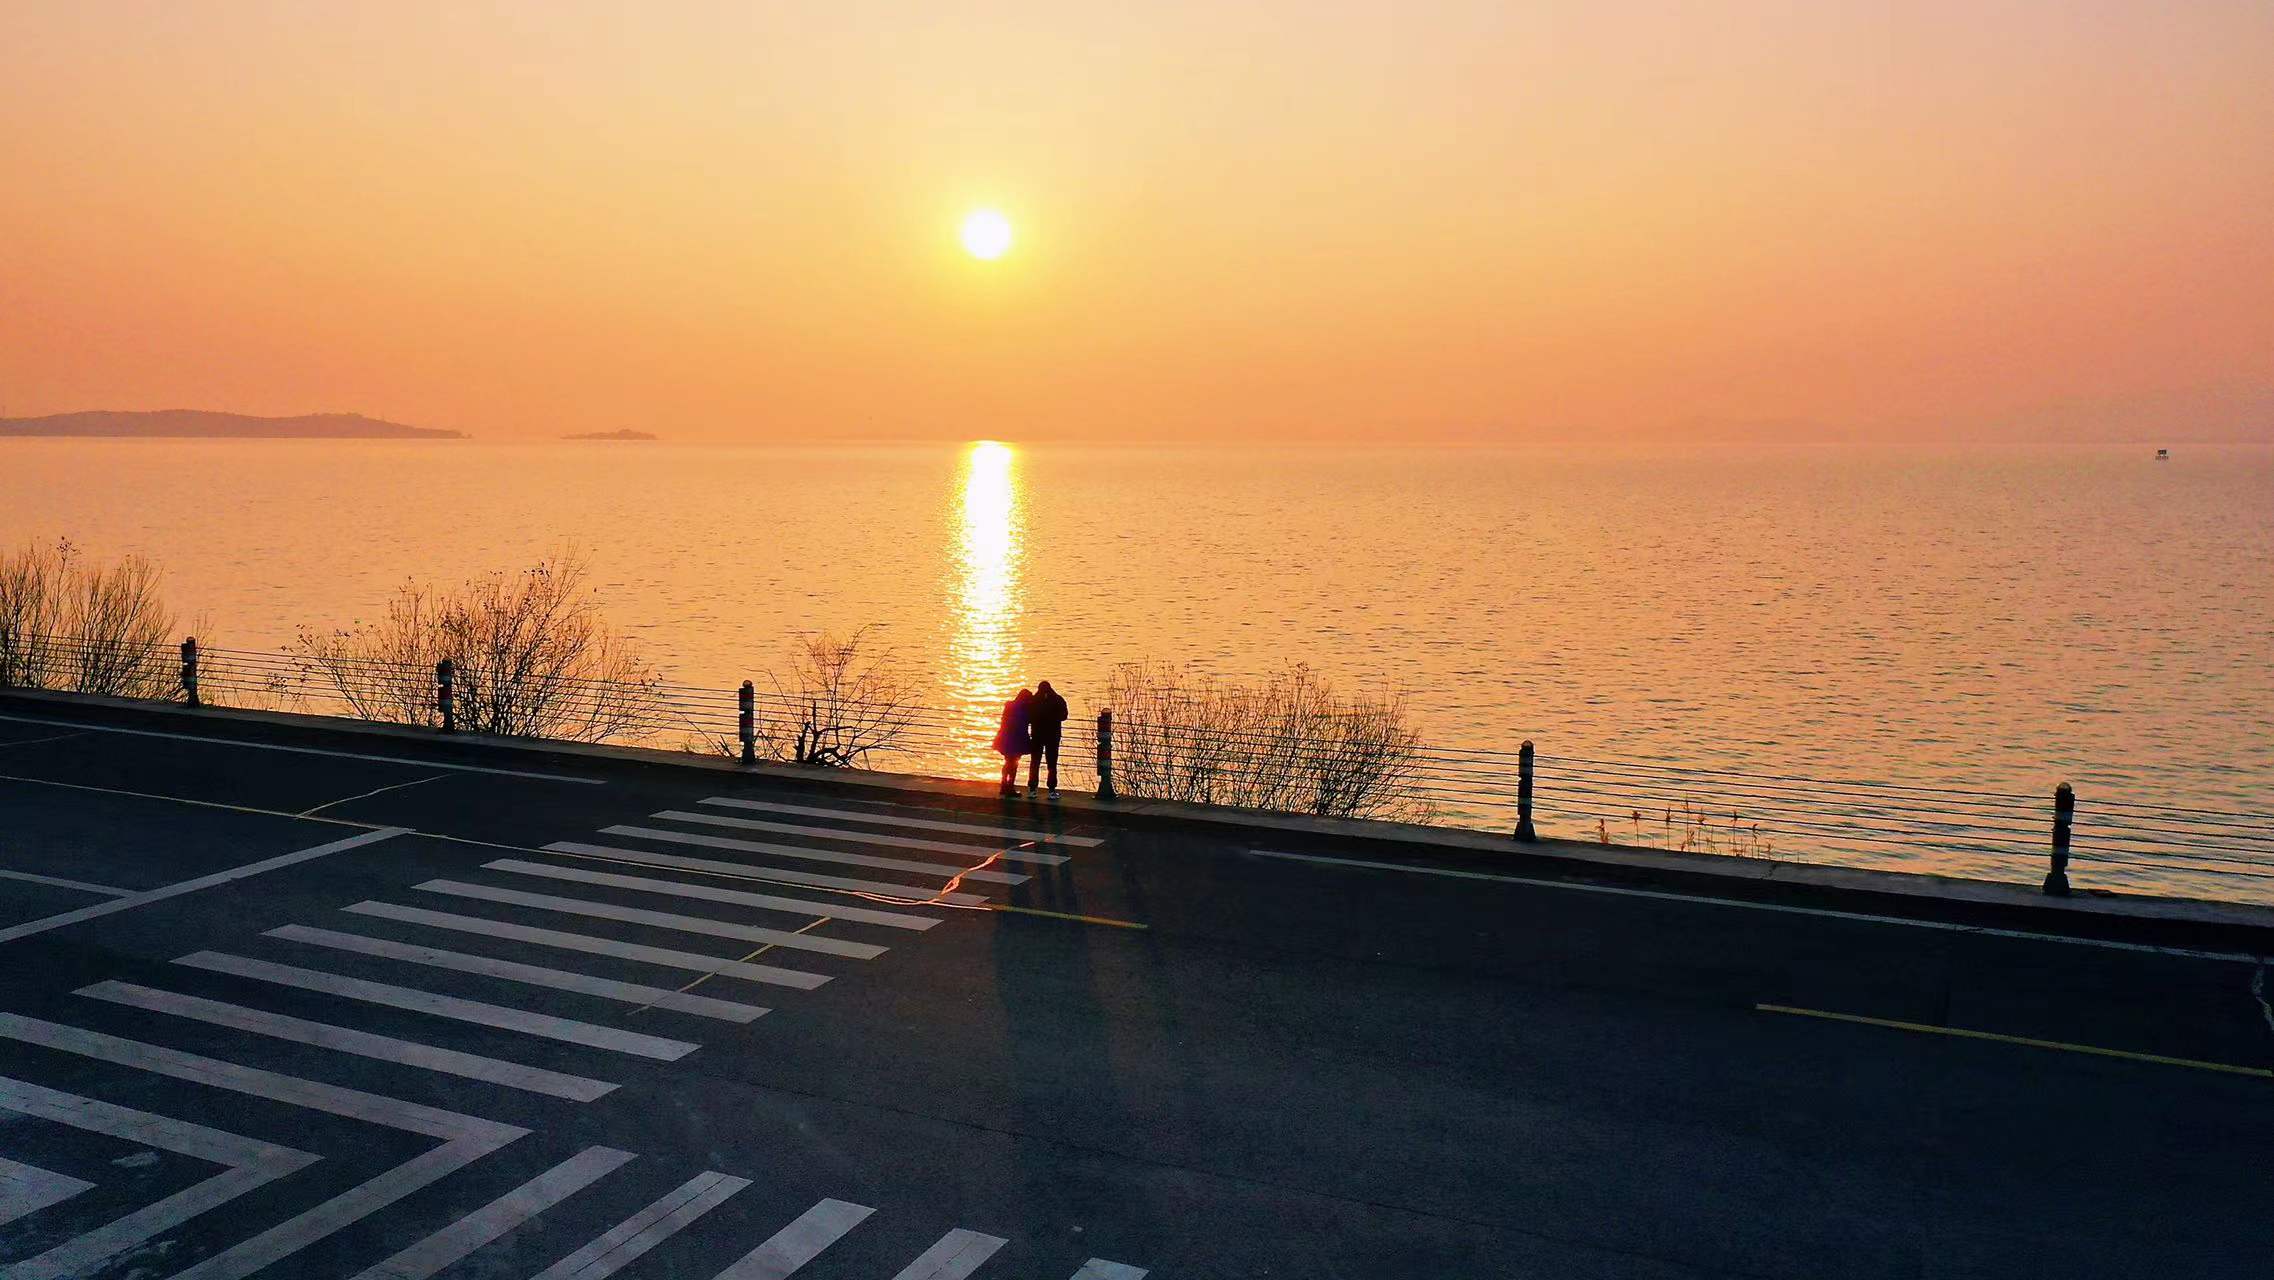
(499, 1216)
(632, 993)
(251, 1164)
(1100, 1269)
(798, 1243)
(488, 1015)
(623, 1244)
(901, 892)
(25, 1189)
(1944, 926)
(147, 897)
(660, 919)
(896, 820)
(309, 751)
(804, 853)
(364, 1044)
(59, 882)
(967, 849)
(958, 1254)
(366, 795)
(760, 873)
(712, 893)
(466, 1138)
(589, 945)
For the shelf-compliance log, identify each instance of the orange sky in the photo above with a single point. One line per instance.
(1610, 219)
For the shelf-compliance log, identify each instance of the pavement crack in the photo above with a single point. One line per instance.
(377, 791)
(2258, 993)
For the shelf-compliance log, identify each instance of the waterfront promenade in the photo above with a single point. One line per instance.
(288, 1000)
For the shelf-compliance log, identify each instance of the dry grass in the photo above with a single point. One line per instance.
(1290, 743)
(533, 657)
(1685, 828)
(87, 627)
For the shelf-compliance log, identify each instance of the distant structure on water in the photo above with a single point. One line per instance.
(2163, 455)
(626, 434)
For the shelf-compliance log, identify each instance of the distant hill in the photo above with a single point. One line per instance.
(625, 434)
(183, 424)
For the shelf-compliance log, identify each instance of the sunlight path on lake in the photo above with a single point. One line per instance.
(985, 652)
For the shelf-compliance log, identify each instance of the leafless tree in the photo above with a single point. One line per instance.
(1289, 743)
(533, 657)
(66, 623)
(840, 701)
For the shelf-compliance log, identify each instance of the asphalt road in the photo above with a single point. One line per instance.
(356, 1008)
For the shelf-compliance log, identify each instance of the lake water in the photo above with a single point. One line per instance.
(1987, 618)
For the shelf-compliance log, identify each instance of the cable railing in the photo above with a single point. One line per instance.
(1327, 766)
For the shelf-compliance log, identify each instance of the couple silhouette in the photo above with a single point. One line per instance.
(1033, 724)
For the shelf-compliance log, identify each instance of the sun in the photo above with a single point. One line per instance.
(986, 234)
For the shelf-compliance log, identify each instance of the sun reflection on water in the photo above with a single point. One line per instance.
(984, 654)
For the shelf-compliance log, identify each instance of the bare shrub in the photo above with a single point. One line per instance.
(1290, 743)
(840, 701)
(66, 623)
(533, 657)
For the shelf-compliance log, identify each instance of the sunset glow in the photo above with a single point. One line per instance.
(986, 234)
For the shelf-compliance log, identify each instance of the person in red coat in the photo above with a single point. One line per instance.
(1014, 738)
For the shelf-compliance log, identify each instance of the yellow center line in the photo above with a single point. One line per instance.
(1962, 1033)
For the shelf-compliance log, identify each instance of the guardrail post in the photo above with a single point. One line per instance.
(189, 671)
(748, 697)
(1105, 755)
(1524, 831)
(2064, 817)
(445, 678)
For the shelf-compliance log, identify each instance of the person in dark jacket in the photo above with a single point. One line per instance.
(1047, 721)
(1014, 738)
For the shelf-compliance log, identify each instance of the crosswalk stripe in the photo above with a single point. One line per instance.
(499, 1216)
(466, 1138)
(865, 837)
(26, 1189)
(489, 1015)
(809, 854)
(897, 820)
(660, 919)
(906, 892)
(761, 872)
(348, 1040)
(252, 1163)
(624, 1243)
(706, 893)
(958, 1254)
(798, 1243)
(589, 945)
(1100, 1269)
(631, 993)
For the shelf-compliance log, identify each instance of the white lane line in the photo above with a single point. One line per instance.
(363, 1044)
(466, 1138)
(896, 820)
(25, 1189)
(59, 882)
(545, 1025)
(798, 1243)
(310, 751)
(1944, 926)
(761, 874)
(252, 1164)
(1100, 1269)
(712, 893)
(143, 899)
(966, 849)
(366, 795)
(807, 854)
(660, 919)
(903, 892)
(632, 993)
(623, 1244)
(958, 1254)
(588, 945)
(499, 1216)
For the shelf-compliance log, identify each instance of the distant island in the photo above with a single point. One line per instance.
(188, 424)
(626, 434)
